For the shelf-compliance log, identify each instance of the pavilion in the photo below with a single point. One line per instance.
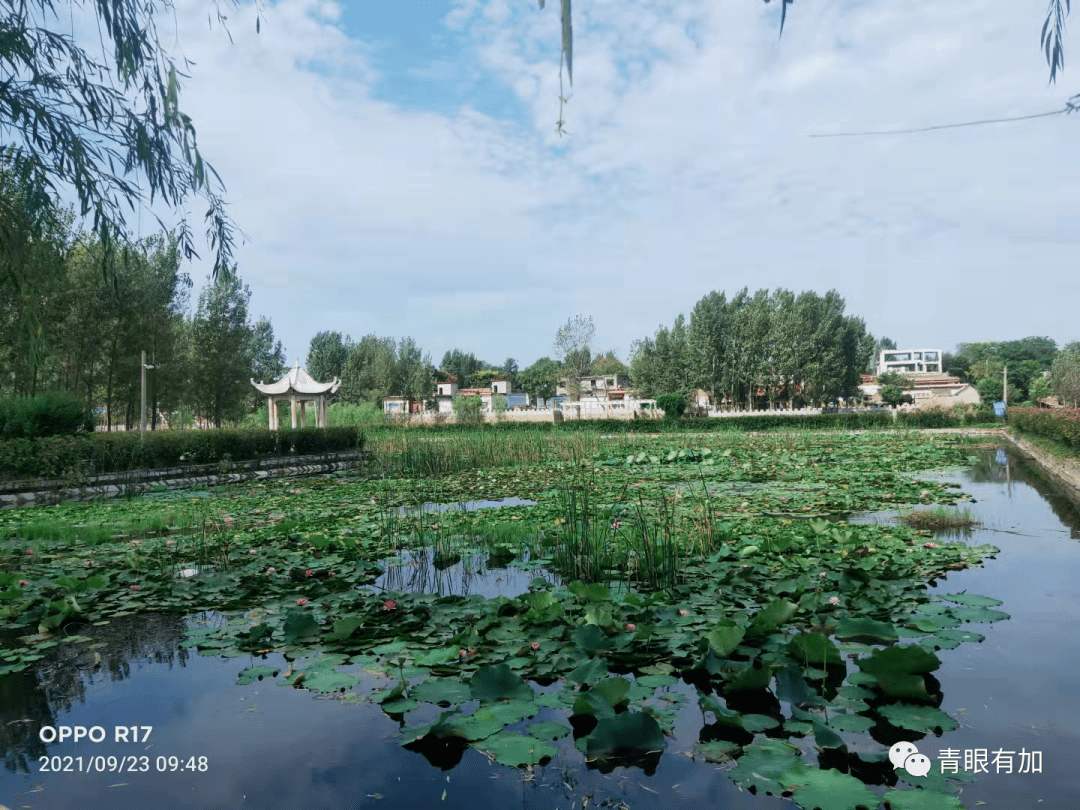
(297, 388)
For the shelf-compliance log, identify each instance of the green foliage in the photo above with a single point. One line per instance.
(55, 457)
(50, 414)
(1058, 424)
(539, 379)
(103, 120)
(326, 356)
(222, 346)
(347, 414)
(1065, 374)
(673, 405)
(379, 367)
(468, 410)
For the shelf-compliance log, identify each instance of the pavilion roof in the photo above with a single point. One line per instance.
(297, 381)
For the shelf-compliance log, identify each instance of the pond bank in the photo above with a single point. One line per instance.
(46, 492)
(1064, 472)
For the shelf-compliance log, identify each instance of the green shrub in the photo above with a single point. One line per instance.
(468, 410)
(1058, 424)
(93, 453)
(673, 405)
(53, 413)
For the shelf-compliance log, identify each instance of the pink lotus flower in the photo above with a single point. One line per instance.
(29, 551)
(924, 493)
(301, 601)
(929, 545)
(308, 572)
(228, 521)
(389, 604)
(616, 525)
(330, 573)
(461, 653)
(630, 627)
(822, 575)
(23, 583)
(270, 570)
(134, 587)
(684, 612)
(88, 563)
(535, 645)
(169, 542)
(834, 600)
(135, 543)
(889, 495)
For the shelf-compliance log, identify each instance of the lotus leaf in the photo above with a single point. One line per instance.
(918, 718)
(817, 789)
(517, 750)
(629, 734)
(491, 683)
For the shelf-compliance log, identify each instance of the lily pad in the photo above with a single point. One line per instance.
(629, 733)
(926, 719)
(491, 683)
(817, 789)
(516, 750)
(252, 674)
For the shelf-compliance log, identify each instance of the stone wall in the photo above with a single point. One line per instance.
(133, 482)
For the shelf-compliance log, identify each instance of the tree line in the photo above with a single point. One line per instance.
(750, 351)
(89, 328)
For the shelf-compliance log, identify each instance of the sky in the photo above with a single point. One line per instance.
(396, 167)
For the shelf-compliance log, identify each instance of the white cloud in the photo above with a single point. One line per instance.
(697, 173)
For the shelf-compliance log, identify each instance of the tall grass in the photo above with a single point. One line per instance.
(416, 454)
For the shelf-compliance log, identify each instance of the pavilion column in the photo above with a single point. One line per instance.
(325, 412)
(270, 411)
(303, 413)
(292, 404)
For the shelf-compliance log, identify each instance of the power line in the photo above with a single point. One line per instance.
(1072, 105)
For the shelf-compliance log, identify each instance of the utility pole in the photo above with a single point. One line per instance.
(1005, 392)
(142, 408)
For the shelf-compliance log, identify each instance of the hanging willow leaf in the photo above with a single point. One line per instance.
(568, 40)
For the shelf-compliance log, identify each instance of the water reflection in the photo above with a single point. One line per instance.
(486, 575)
(464, 506)
(70, 674)
(284, 748)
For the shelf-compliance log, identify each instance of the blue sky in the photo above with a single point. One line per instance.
(397, 169)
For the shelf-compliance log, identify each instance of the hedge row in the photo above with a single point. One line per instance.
(1060, 424)
(53, 413)
(94, 453)
(861, 420)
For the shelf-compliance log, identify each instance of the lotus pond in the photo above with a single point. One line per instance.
(740, 621)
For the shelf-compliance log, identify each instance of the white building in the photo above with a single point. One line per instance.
(910, 361)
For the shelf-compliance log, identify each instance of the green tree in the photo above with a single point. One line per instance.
(371, 371)
(461, 365)
(468, 410)
(111, 129)
(1065, 374)
(326, 355)
(222, 349)
(415, 373)
(1040, 388)
(573, 348)
(267, 357)
(510, 369)
(609, 363)
(539, 379)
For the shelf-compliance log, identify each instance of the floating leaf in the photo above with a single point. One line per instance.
(252, 674)
(490, 683)
(516, 750)
(918, 718)
(865, 629)
(629, 733)
(816, 789)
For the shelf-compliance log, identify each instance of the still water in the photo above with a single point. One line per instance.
(271, 747)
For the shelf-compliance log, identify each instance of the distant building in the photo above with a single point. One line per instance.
(910, 361)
